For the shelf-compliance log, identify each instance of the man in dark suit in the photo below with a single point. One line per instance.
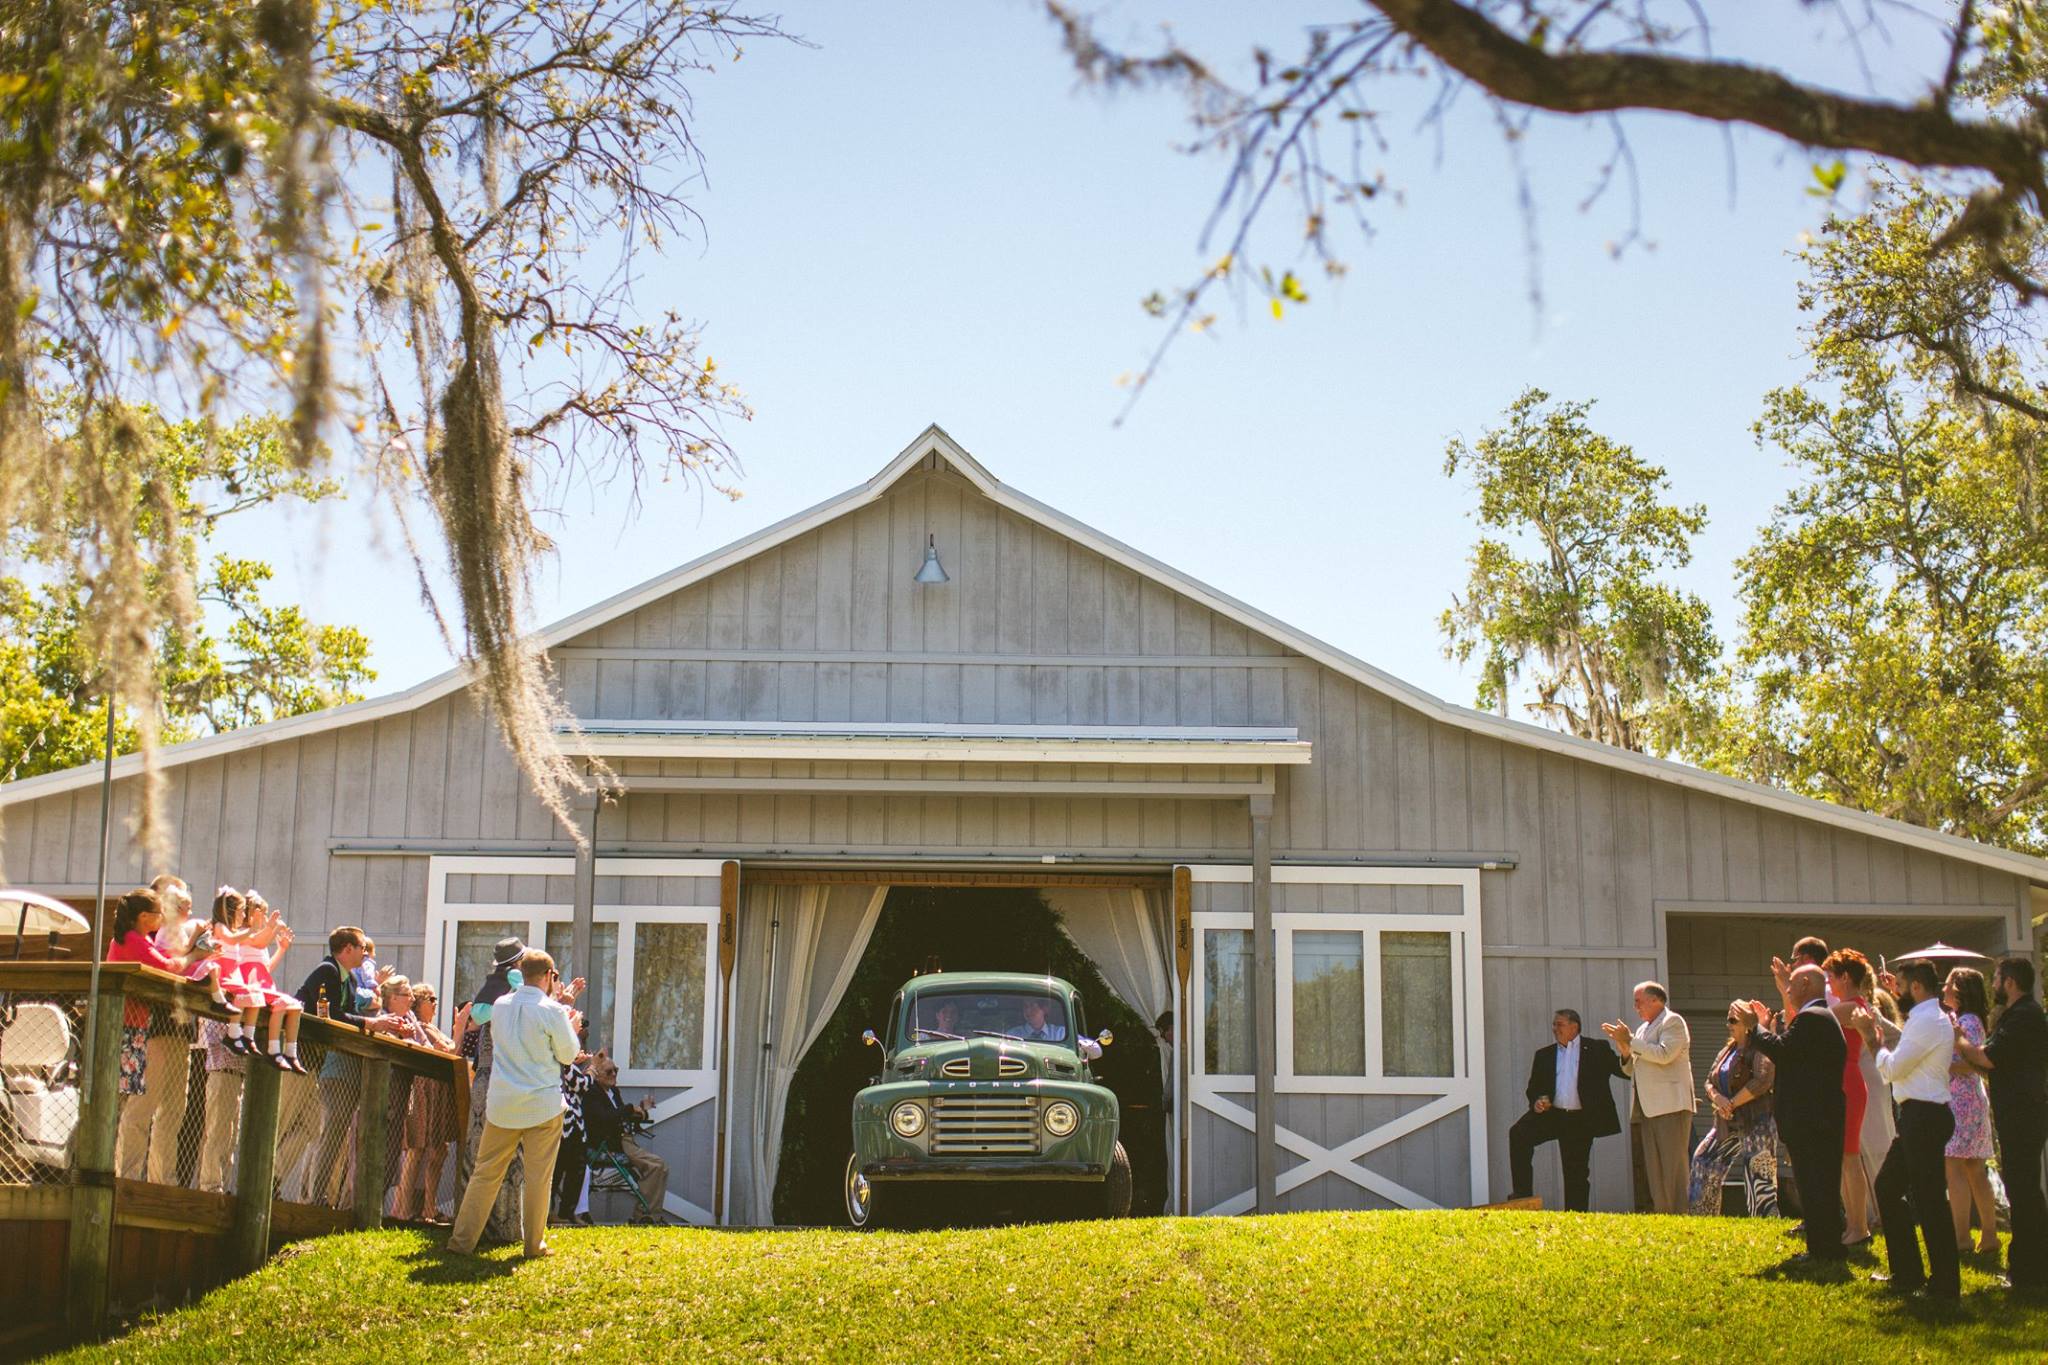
(1810, 1107)
(1570, 1103)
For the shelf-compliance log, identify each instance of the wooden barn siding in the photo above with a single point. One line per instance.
(829, 627)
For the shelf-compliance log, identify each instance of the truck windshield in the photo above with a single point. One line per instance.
(1032, 1016)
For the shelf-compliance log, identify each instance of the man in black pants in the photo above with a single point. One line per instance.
(1571, 1102)
(1912, 1186)
(2015, 1057)
(1811, 1110)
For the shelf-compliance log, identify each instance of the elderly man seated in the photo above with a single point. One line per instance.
(605, 1114)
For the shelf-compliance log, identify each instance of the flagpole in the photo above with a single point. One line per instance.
(99, 906)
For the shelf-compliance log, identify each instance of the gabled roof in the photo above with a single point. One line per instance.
(933, 442)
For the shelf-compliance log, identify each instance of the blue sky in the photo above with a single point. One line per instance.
(921, 218)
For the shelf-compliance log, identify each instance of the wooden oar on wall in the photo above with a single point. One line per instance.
(728, 953)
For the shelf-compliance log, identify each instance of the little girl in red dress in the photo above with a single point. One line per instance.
(246, 928)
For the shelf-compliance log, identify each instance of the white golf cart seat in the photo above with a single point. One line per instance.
(42, 1101)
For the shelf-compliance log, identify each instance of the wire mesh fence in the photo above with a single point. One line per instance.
(179, 1089)
(42, 1040)
(425, 1129)
(162, 1130)
(318, 1120)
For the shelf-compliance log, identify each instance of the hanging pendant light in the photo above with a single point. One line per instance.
(931, 571)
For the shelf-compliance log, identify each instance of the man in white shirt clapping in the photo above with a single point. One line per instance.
(533, 1036)
(1912, 1186)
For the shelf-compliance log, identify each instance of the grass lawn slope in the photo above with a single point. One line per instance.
(1435, 1286)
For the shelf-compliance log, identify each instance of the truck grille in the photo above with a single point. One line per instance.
(1006, 1067)
(984, 1123)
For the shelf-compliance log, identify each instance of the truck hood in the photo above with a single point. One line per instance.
(984, 1058)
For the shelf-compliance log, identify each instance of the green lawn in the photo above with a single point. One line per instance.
(1440, 1286)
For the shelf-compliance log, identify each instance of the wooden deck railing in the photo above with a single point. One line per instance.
(74, 1234)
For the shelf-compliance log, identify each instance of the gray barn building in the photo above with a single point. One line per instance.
(796, 724)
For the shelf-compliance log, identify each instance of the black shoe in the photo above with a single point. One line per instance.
(239, 1046)
(279, 1060)
(295, 1065)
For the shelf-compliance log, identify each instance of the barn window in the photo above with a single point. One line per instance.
(1415, 1004)
(474, 941)
(1329, 1002)
(1227, 1002)
(669, 980)
(603, 967)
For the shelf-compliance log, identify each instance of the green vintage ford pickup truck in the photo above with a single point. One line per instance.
(985, 1078)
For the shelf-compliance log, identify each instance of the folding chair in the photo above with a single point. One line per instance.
(610, 1172)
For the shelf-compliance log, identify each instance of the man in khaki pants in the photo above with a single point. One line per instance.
(533, 1038)
(1657, 1056)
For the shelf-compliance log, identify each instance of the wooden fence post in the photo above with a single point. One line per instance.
(255, 1167)
(372, 1129)
(92, 1173)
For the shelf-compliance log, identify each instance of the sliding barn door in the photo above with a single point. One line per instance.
(1380, 1084)
(654, 947)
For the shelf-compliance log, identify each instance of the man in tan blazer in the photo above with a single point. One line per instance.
(1657, 1056)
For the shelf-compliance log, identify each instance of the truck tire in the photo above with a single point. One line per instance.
(867, 1206)
(1116, 1186)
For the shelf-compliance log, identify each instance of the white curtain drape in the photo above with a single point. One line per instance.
(799, 948)
(1124, 931)
(1128, 933)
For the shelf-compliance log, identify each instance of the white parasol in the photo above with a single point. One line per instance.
(32, 910)
(1943, 952)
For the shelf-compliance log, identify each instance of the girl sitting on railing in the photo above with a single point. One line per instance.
(246, 928)
(182, 932)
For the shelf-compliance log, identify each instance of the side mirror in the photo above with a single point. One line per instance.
(1105, 1037)
(867, 1035)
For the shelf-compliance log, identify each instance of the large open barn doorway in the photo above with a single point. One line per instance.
(957, 929)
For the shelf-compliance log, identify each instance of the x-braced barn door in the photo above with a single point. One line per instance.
(1380, 1077)
(655, 949)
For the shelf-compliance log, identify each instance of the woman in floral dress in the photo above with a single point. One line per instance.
(1969, 1176)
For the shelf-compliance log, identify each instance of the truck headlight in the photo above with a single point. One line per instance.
(1061, 1118)
(907, 1119)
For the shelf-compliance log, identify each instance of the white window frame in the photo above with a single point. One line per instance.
(1286, 924)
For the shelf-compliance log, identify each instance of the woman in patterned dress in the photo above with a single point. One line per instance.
(1969, 1151)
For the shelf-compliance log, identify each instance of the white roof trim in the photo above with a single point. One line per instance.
(934, 439)
(900, 741)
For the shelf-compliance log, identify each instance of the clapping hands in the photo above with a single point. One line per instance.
(1617, 1033)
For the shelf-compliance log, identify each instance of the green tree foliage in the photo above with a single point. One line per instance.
(412, 222)
(1914, 281)
(224, 659)
(1895, 634)
(1570, 581)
